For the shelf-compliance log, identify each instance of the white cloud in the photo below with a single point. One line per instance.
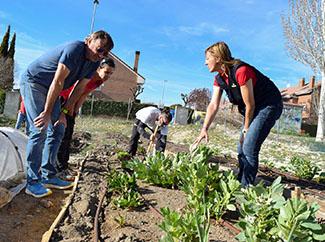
(198, 30)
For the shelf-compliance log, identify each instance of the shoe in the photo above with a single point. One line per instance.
(56, 183)
(37, 190)
(64, 175)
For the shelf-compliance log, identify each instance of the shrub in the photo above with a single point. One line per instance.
(111, 108)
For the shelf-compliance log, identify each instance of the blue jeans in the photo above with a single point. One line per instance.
(21, 118)
(264, 119)
(37, 156)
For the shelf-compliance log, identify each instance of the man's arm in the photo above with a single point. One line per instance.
(75, 95)
(56, 86)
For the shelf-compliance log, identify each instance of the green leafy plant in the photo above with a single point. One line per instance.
(321, 178)
(122, 156)
(158, 169)
(120, 220)
(259, 210)
(296, 222)
(224, 197)
(121, 190)
(304, 169)
(267, 216)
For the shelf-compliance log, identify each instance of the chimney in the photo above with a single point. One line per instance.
(312, 82)
(301, 82)
(136, 61)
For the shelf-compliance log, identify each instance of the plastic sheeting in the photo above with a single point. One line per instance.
(13, 145)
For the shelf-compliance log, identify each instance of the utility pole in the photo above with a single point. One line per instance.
(92, 22)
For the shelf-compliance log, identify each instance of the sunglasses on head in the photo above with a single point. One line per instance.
(101, 50)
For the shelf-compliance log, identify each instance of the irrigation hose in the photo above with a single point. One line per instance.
(97, 215)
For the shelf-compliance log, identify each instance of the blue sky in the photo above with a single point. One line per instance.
(171, 36)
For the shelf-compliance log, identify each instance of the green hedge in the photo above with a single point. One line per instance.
(111, 108)
(2, 100)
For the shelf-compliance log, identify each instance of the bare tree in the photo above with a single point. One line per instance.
(200, 98)
(185, 99)
(136, 91)
(304, 32)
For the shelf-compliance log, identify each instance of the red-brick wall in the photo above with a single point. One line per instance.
(117, 88)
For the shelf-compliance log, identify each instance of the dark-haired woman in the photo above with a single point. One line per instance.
(147, 118)
(258, 100)
(103, 73)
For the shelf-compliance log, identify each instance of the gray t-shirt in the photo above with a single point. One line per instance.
(71, 54)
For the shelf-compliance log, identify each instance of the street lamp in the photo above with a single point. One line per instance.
(92, 22)
(163, 91)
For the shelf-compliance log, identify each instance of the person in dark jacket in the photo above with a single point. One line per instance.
(258, 100)
(147, 118)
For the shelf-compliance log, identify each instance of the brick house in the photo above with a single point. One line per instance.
(124, 78)
(305, 95)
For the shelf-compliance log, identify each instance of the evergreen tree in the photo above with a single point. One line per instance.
(11, 51)
(5, 43)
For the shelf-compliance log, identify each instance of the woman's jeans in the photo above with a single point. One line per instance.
(37, 156)
(257, 132)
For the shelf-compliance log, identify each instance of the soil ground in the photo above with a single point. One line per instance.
(27, 218)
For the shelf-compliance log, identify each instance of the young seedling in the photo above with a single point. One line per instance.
(120, 220)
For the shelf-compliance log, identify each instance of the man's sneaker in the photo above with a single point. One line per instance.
(37, 190)
(56, 183)
(64, 175)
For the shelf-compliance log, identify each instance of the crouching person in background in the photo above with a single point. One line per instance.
(104, 72)
(149, 118)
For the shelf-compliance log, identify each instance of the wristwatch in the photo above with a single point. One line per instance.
(244, 131)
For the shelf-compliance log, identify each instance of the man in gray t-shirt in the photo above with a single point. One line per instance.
(41, 83)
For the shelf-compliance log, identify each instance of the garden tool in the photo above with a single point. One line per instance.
(158, 124)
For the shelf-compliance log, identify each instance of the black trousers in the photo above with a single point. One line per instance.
(161, 140)
(64, 150)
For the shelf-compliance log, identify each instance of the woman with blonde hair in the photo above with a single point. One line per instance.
(258, 100)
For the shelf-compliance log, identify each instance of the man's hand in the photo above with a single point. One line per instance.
(242, 139)
(42, 120)
(62, 119)
(152, 138)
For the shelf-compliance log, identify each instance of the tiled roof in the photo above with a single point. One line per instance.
(297, 90)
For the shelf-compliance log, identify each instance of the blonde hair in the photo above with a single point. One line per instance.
(221, 50)
(101, 35)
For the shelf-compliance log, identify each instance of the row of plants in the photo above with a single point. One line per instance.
(301, 168)
(210, 192)
(265, 214)
(122, 190)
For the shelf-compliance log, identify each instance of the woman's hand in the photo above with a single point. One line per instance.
(203, 134)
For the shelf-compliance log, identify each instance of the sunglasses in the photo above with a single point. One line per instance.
(101, 50)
